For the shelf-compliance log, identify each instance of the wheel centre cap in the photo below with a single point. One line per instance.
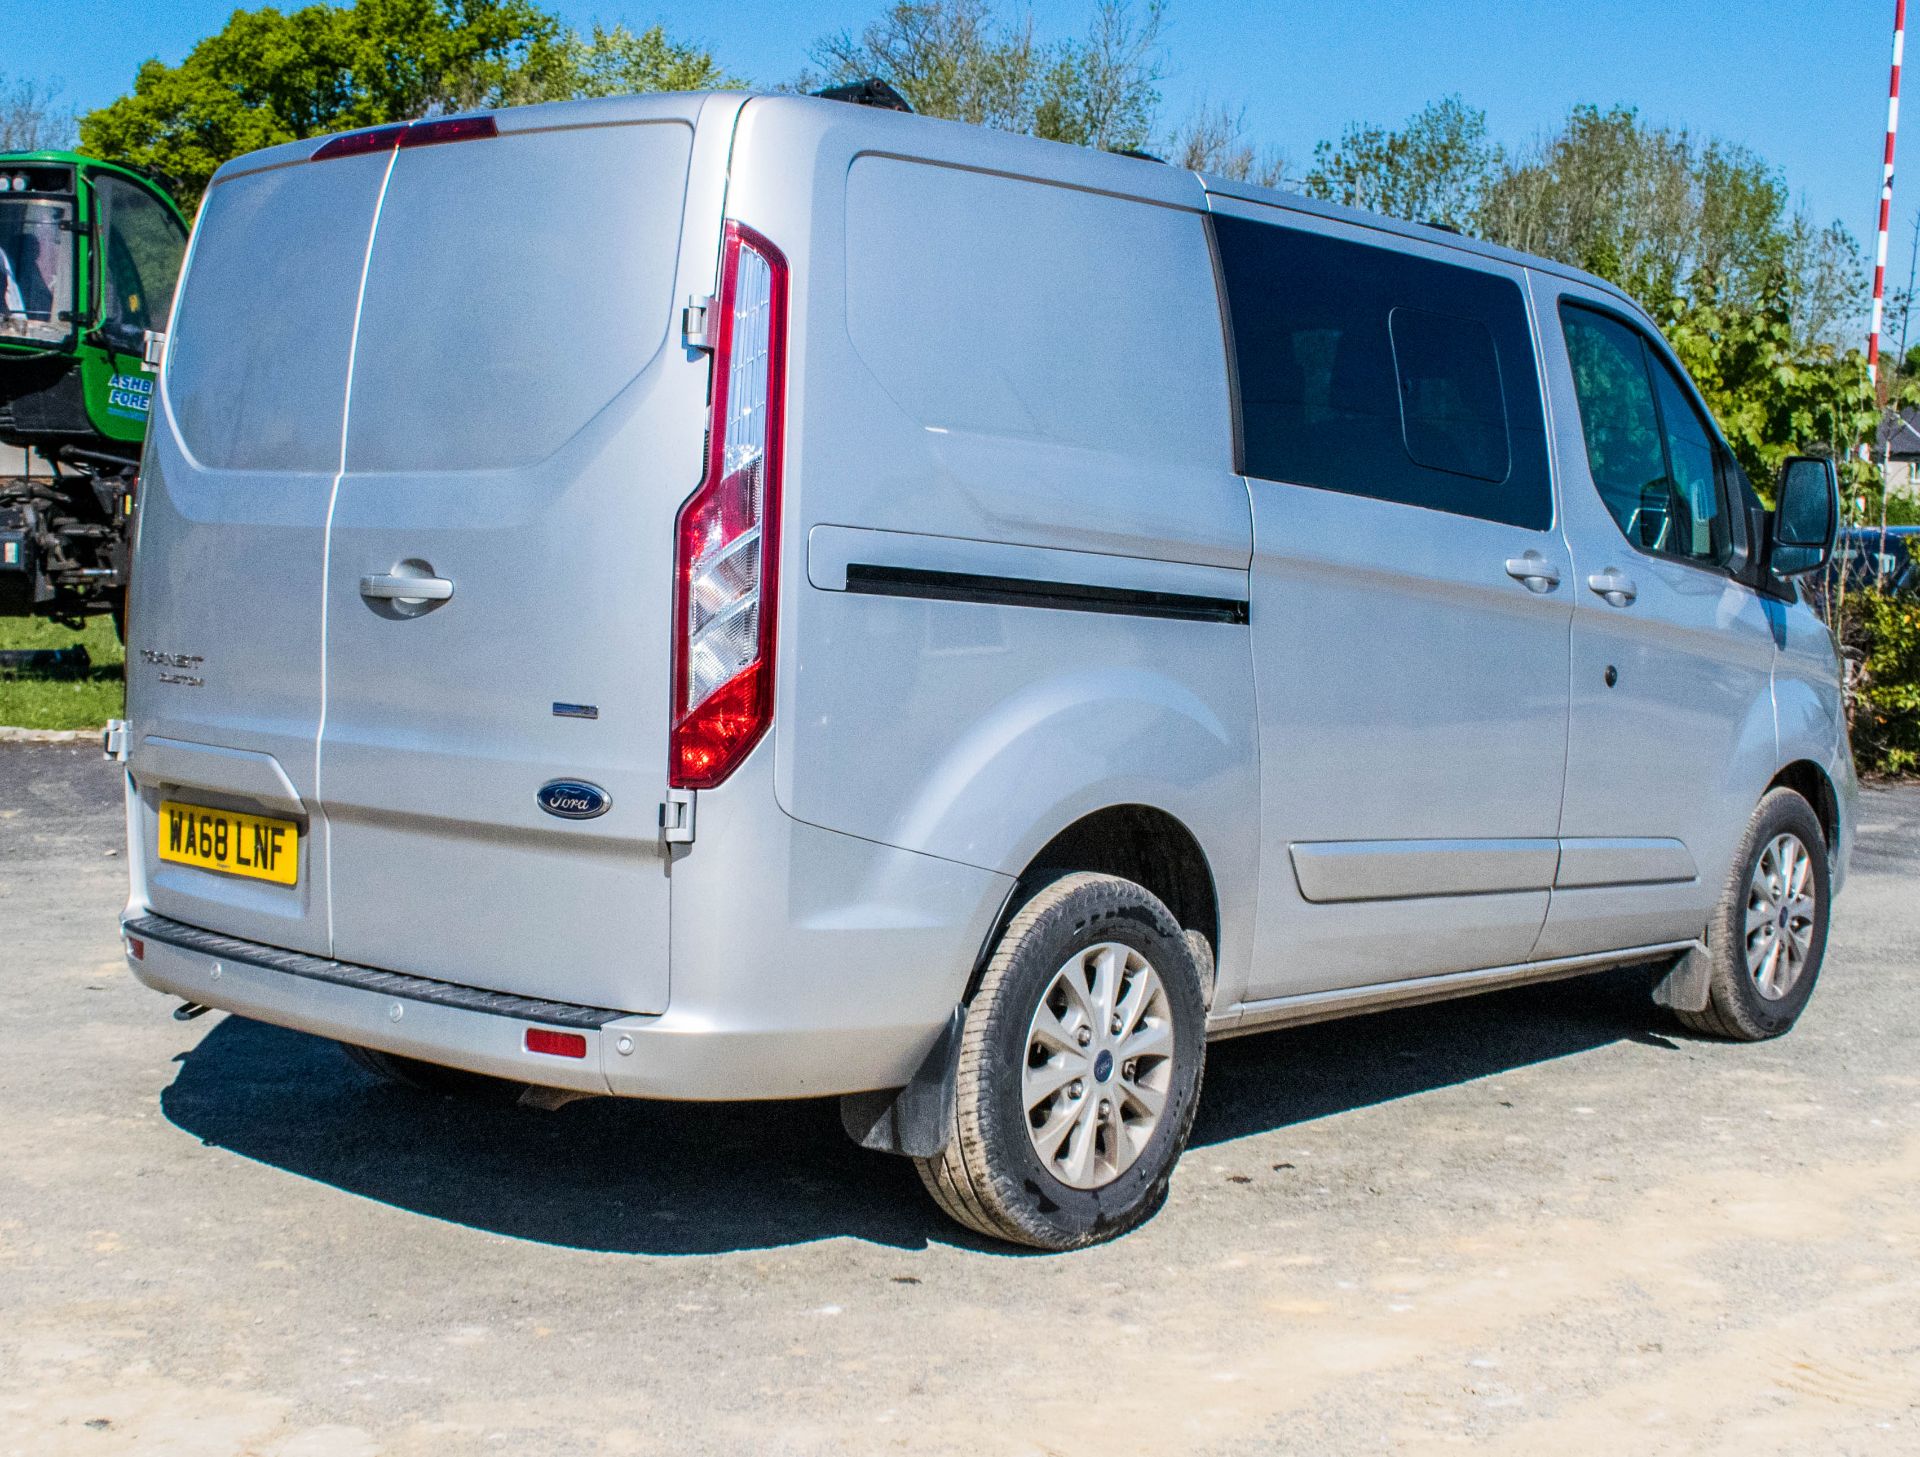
(1103, 1066)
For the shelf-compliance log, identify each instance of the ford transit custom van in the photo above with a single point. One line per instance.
(730, 597)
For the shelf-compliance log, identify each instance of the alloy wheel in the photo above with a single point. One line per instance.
(1781, 909)
(1099, 1064)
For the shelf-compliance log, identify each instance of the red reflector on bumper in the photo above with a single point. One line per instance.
(556, 1044)
(136, 948)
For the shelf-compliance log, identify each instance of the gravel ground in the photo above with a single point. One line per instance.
(1544, 1220)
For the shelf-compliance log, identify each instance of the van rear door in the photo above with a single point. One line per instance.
(523, 422)
(224, 651)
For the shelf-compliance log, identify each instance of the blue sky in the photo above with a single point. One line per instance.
(1804, 84)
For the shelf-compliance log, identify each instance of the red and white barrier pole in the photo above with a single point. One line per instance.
(1886, 195)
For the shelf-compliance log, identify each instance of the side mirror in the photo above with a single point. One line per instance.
(1805, 518)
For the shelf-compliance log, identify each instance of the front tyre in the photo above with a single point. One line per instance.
(1079, 1070)
(1769, 934)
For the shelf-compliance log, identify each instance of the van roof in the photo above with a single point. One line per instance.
(1070, 163)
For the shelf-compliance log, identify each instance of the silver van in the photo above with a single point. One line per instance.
(724, 597)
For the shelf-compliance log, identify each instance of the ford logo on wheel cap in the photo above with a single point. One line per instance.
(573, 799)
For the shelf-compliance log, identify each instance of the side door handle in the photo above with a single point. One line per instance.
(1615, 587)
(1534, 572)
(390, 588)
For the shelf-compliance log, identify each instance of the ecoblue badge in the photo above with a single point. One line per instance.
(573, 799)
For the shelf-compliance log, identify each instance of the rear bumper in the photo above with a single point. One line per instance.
(835, 976)
(406, 1015)
(805, 963)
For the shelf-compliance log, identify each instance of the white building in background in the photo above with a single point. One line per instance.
(1898, 443)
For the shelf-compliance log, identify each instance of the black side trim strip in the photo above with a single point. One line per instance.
(877, 581)
(369, 979)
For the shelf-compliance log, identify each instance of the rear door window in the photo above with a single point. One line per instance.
(1379, 373)
(257, 362)
(517, 283)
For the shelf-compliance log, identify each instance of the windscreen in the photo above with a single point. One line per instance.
(517, 284)
(36, 269)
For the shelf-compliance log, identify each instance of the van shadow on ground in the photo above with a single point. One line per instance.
(677, 1179)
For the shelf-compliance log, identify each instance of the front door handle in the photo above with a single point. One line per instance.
(1615, 587)
(390, 588)
(1534, 572)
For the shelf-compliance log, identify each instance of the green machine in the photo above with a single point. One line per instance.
(90, 252)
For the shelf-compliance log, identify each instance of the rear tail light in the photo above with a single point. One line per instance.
(727, 538)
(556, 1044)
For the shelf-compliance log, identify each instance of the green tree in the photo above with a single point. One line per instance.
(1432, 170)
(617, 61)
(1773, 393)
(1827, 283)
(957, 59)
(1883, 636)
(1103, 91)
(1649, 208)
(269, 76)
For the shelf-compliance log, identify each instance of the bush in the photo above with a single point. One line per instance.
(1883, 636)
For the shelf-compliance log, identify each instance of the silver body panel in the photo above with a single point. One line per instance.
(1008, 367)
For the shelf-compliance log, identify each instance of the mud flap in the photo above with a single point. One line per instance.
(916, 1120)
(1686, 987)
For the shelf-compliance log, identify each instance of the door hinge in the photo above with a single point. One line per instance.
(696, 320)
(676, 817)
(113, 742)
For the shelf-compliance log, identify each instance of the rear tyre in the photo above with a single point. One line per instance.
(429, 1077)
(1079, 1070)
(1768, 936)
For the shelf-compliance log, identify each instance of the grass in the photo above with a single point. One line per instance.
(61, 700)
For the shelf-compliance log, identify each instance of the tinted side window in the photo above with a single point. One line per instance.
(1451, 414)
(1371, 372)
(1698, 526)
(1653, 459)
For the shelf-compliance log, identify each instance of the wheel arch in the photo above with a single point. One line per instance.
(1142, 843)
(1808, 780)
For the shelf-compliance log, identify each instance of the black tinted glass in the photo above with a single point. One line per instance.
(1375, 373)
(1653, 460)
(1451, 414)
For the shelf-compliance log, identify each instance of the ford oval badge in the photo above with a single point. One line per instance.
(573, 800)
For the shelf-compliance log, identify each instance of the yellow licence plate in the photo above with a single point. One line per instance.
(230, 842)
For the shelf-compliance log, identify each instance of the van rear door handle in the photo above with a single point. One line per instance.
(1614, 586)
(1534, 572)
(387, 588)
